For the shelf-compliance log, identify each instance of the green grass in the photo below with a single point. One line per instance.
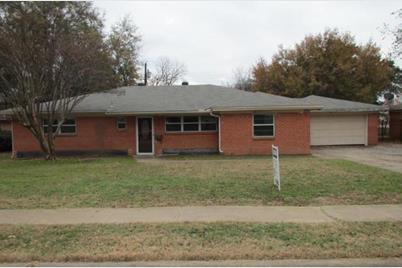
(125, 182)
(187, 241)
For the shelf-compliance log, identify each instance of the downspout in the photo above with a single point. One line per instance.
(219, 128)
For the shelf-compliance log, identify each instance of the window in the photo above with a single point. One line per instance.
(208, 123)
(68, 127)
(121, 123)
(173, 124)
(191, 123)
(263, 125)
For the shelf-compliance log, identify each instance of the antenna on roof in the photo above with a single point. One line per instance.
(145, 76)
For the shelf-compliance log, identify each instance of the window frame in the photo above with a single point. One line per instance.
(182, 123)
(176, 123)
(119, 122)
(190, 123)
(60, 133)
(271, 124)
(205, 122)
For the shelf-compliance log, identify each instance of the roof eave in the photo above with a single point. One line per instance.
(201, 111)
(350, 110)
(266, 108)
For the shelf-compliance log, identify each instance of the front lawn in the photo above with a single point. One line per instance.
(125, 182)
(189, 241)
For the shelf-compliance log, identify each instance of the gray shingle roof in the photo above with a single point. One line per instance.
(338, 105)
(182, 99)
(201, 98)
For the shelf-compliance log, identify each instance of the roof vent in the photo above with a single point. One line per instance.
(184, 83)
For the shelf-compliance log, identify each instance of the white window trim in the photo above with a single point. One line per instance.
(117, 123)
(182, 123)
(137, 138)
(66, 125)
(178, 123)
(190, 123)
(273, 125)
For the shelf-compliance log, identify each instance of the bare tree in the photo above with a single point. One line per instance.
(124, 45)
(241, 79)
(51, 55)
(167, 72)
(394, 30)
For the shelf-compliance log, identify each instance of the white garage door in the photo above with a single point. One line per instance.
(338, 130)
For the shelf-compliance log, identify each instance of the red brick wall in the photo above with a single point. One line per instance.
(395, 125)
(195, 140)
(292, 134)
(92, 133)
(101, 133)
(372, 134)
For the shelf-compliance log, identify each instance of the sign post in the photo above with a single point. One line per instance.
(275, 167)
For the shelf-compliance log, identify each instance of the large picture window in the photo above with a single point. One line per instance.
(263, 125)
(191, 123)
(68, 126)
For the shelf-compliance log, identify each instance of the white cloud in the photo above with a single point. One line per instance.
(213, 38)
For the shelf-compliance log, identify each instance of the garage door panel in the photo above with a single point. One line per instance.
(324, 141)
(338, 130)
(337, 133)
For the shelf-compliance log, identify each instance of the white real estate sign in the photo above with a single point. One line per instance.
(275, 167)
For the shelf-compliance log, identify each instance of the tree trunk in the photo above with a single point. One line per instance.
(51, 153)
(46, 143)
(47, 147)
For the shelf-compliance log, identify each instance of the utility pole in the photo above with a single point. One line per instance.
(145, 75)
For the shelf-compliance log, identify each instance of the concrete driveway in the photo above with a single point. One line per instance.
(384, 155)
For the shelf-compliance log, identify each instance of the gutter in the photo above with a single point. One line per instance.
(158, 112)
(269, 108)
(219, 128)
(220, 109)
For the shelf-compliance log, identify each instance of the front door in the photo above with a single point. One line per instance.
(145, 135)
(400, 130)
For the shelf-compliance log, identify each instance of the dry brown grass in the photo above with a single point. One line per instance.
(131, 242)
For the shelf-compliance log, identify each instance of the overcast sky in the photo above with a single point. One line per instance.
(214, 38)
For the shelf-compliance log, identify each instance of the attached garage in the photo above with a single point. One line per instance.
(342, 122)
(395, 124)
(338, 129)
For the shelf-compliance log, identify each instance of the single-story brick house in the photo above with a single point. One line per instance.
(395, 122)
(148, 120)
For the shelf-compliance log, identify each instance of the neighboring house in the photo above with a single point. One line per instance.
(395, 122)
(5, 120)
(342, 122)
(148, 120)
(5, 123)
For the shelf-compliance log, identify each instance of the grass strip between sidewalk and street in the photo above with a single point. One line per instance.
(201, 241)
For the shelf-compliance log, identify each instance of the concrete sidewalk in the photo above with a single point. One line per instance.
(272, 214)
(381, 262)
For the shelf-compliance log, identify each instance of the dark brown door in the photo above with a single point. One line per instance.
(400, 130)
(145, 136)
